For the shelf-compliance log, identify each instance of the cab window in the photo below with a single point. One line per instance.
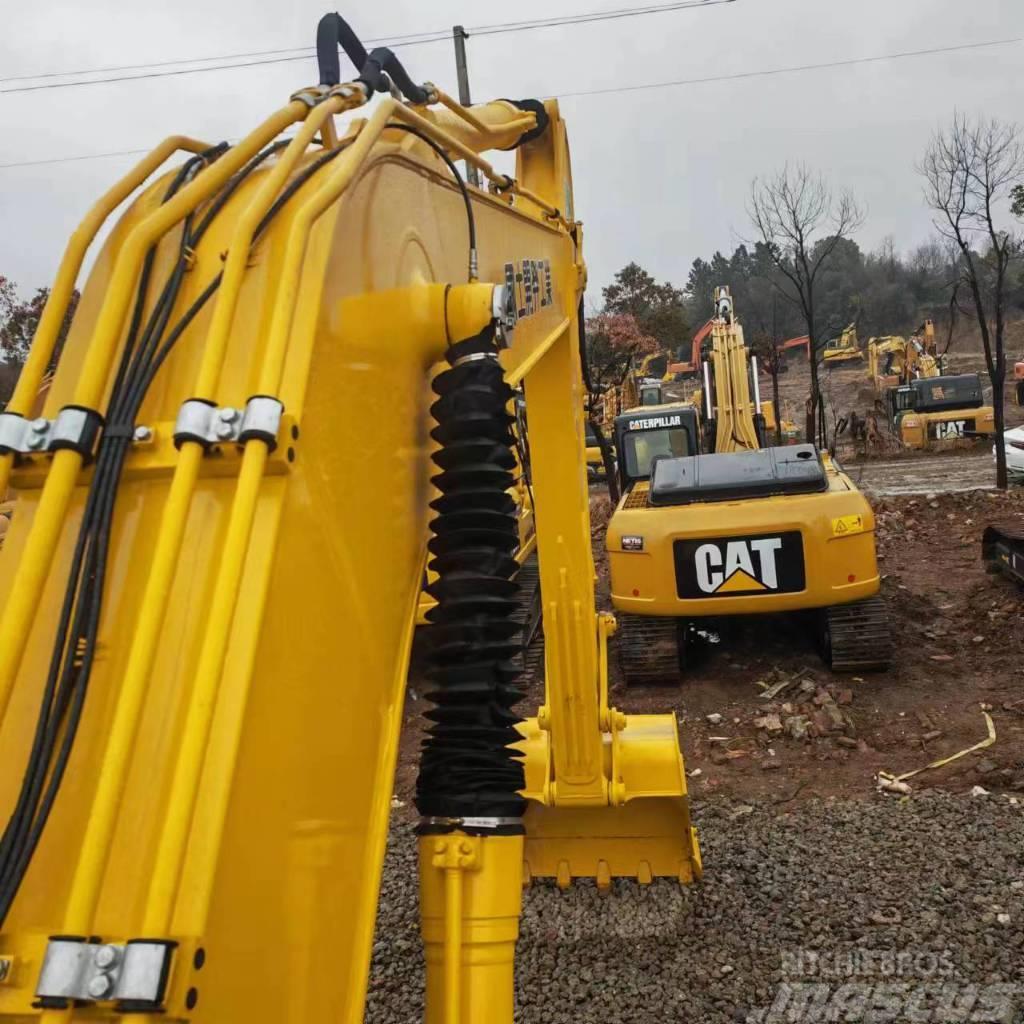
(642, 447)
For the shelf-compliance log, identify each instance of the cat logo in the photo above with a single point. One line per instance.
(735, 566)
(655, 422)
(949, 430)
(735, 571)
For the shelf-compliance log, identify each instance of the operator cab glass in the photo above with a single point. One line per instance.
(641, 438)
(903, 399)
(650, 395)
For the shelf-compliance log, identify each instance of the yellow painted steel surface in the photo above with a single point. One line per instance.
(733, 404)
(840, 567)
(231, 781)
(918, 429)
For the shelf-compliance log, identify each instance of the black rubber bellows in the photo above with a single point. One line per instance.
(467, 768)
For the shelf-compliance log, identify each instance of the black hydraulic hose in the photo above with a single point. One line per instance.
(75, 644)
(222, 197)
(193, 311)
(470, 219)
(382, 64)
(374, 67)
(331, 32)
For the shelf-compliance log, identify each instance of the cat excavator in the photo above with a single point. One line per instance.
(210, 584)
(712, 523)
(894, 360)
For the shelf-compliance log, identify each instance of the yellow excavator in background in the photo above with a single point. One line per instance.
(843, 349)
(895, 360)
(714, 523)
(210, 584)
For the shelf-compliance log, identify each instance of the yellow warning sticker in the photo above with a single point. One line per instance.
(845, 525)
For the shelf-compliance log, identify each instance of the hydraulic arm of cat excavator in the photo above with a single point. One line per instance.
(210, 582)
(731, 390)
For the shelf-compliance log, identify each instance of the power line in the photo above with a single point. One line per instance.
(647, 85)
(304, 53)
(794, 68)
(69, 159)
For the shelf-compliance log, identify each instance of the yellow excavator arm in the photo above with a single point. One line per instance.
(730, 375)
(209, 587)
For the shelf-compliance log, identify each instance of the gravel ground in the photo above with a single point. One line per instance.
(938, 878)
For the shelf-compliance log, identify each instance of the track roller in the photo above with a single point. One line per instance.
(651, 649)
(856, 637)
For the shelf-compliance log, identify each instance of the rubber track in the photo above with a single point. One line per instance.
(648, 649)
(861, 636)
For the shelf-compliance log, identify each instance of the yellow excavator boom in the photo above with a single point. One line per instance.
(209, 588)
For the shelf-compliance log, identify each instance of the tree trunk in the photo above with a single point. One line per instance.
(811, 426)
(608, 458)
(998, 416)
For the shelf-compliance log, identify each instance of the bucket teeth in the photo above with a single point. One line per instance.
(467, 765)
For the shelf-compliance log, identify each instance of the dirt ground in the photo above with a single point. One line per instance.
(960, 651)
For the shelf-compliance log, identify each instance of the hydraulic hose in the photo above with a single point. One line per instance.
(468, 769)
(374, 68)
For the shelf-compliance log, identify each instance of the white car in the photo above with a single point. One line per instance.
(1014, 442)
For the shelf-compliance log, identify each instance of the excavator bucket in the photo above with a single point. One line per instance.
(649, 836)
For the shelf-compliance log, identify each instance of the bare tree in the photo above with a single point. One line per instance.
(801, 222)
(970, 171)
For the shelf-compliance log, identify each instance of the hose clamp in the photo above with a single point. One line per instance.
(474, 823)
(312, 95)
(75, 427)
(474, 357)
(349, 90)
(207, 424)
(261, 420)
(79, 970)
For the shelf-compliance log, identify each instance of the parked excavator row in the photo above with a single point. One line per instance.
(712, 522)
(209, 592)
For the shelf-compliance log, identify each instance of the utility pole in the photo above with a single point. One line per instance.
(460, 35)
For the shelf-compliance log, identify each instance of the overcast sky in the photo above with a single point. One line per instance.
(662, 174)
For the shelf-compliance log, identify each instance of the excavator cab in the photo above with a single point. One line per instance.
(650, 394)
(644, 437)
